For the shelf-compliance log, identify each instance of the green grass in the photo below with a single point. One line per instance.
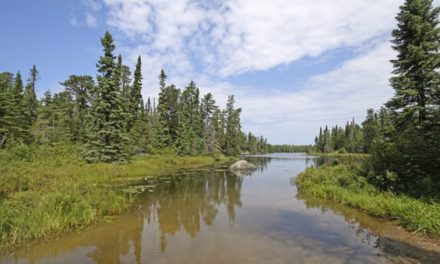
(50, 191)
(338, 154)
(342, 183)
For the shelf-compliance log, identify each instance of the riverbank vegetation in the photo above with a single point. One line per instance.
(109, 118)
(345, 184)
(46, 190)
(400, 178)
(403, 137)
(65, 158)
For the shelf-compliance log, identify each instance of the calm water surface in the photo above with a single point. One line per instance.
(215, 216)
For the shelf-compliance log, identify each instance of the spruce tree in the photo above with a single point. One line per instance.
(19, 131)
(189, 132)
(370, 128)
(135, 102)
(106, 132)
(5, 106)
(30, 101)
(406, 158)
(417, 42)
(208, 109)
(233, 128)
(138, 122)
(168, 110)
(80, 87)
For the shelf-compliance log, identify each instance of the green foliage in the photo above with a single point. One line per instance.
(80, 88)
(406, 157)
(233, 128)
(344, 183)
(189, 132)
(47, 190)
(106, 138)
(351, 139)
(110, 119)
(416, 80)
(408, 162)
(30, 101)
(55, 120)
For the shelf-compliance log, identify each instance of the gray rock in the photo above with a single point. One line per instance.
(243, 165)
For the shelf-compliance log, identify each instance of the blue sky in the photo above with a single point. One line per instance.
(293, 65)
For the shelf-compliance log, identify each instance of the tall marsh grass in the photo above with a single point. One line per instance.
(344, 184)
(46, 191)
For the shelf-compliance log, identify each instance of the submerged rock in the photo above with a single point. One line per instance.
(243, 166)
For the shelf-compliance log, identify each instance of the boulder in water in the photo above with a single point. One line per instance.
(243, 165)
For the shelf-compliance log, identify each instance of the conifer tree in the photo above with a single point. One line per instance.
(417, 78)
(138, 122)
(106, 132)
(406, 157)
(189, 132)
(80, 88)
(233, 128)
(135, 102)
(168, 110)
(5, 106)
(208, 109)
(370, 129)
(19, 131)
(30, 100)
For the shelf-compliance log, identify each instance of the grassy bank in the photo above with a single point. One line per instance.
(49, 191)
(337, 154)
(344, 184)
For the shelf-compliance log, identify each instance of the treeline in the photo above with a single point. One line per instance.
(110, 119)
(403, 137)
(289, 148)
(353, 138)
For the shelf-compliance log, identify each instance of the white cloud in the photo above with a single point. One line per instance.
(90, 20)
(210, 40)
(331, 98)
(236, 36)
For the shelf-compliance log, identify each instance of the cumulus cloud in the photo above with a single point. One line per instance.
(210, 41)
(331, 98)
(232, 37)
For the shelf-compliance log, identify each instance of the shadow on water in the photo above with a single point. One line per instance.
(212, 215)
(392, 242)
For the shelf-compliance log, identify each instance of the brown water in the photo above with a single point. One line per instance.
(214, 216)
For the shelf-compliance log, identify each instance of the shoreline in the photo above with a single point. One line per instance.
(343, 184)
(44, 200)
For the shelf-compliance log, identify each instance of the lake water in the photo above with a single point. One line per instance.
(215, 216)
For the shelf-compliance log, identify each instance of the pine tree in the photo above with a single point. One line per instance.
(135, 102)
(417, 79)
(138, 122)
(5, 106)
(106, 132)
(80, 87)
(19, 131)
(168, 110)
(233, 128)
(189, 132)
(406, 158)
(54, 123)
(208, 109)
(370, 128)
(30, 101)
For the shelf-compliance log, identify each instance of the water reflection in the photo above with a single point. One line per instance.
(393, 244)
(187, 201)
(212, 215)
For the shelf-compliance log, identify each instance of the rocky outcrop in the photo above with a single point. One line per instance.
(242, 165)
